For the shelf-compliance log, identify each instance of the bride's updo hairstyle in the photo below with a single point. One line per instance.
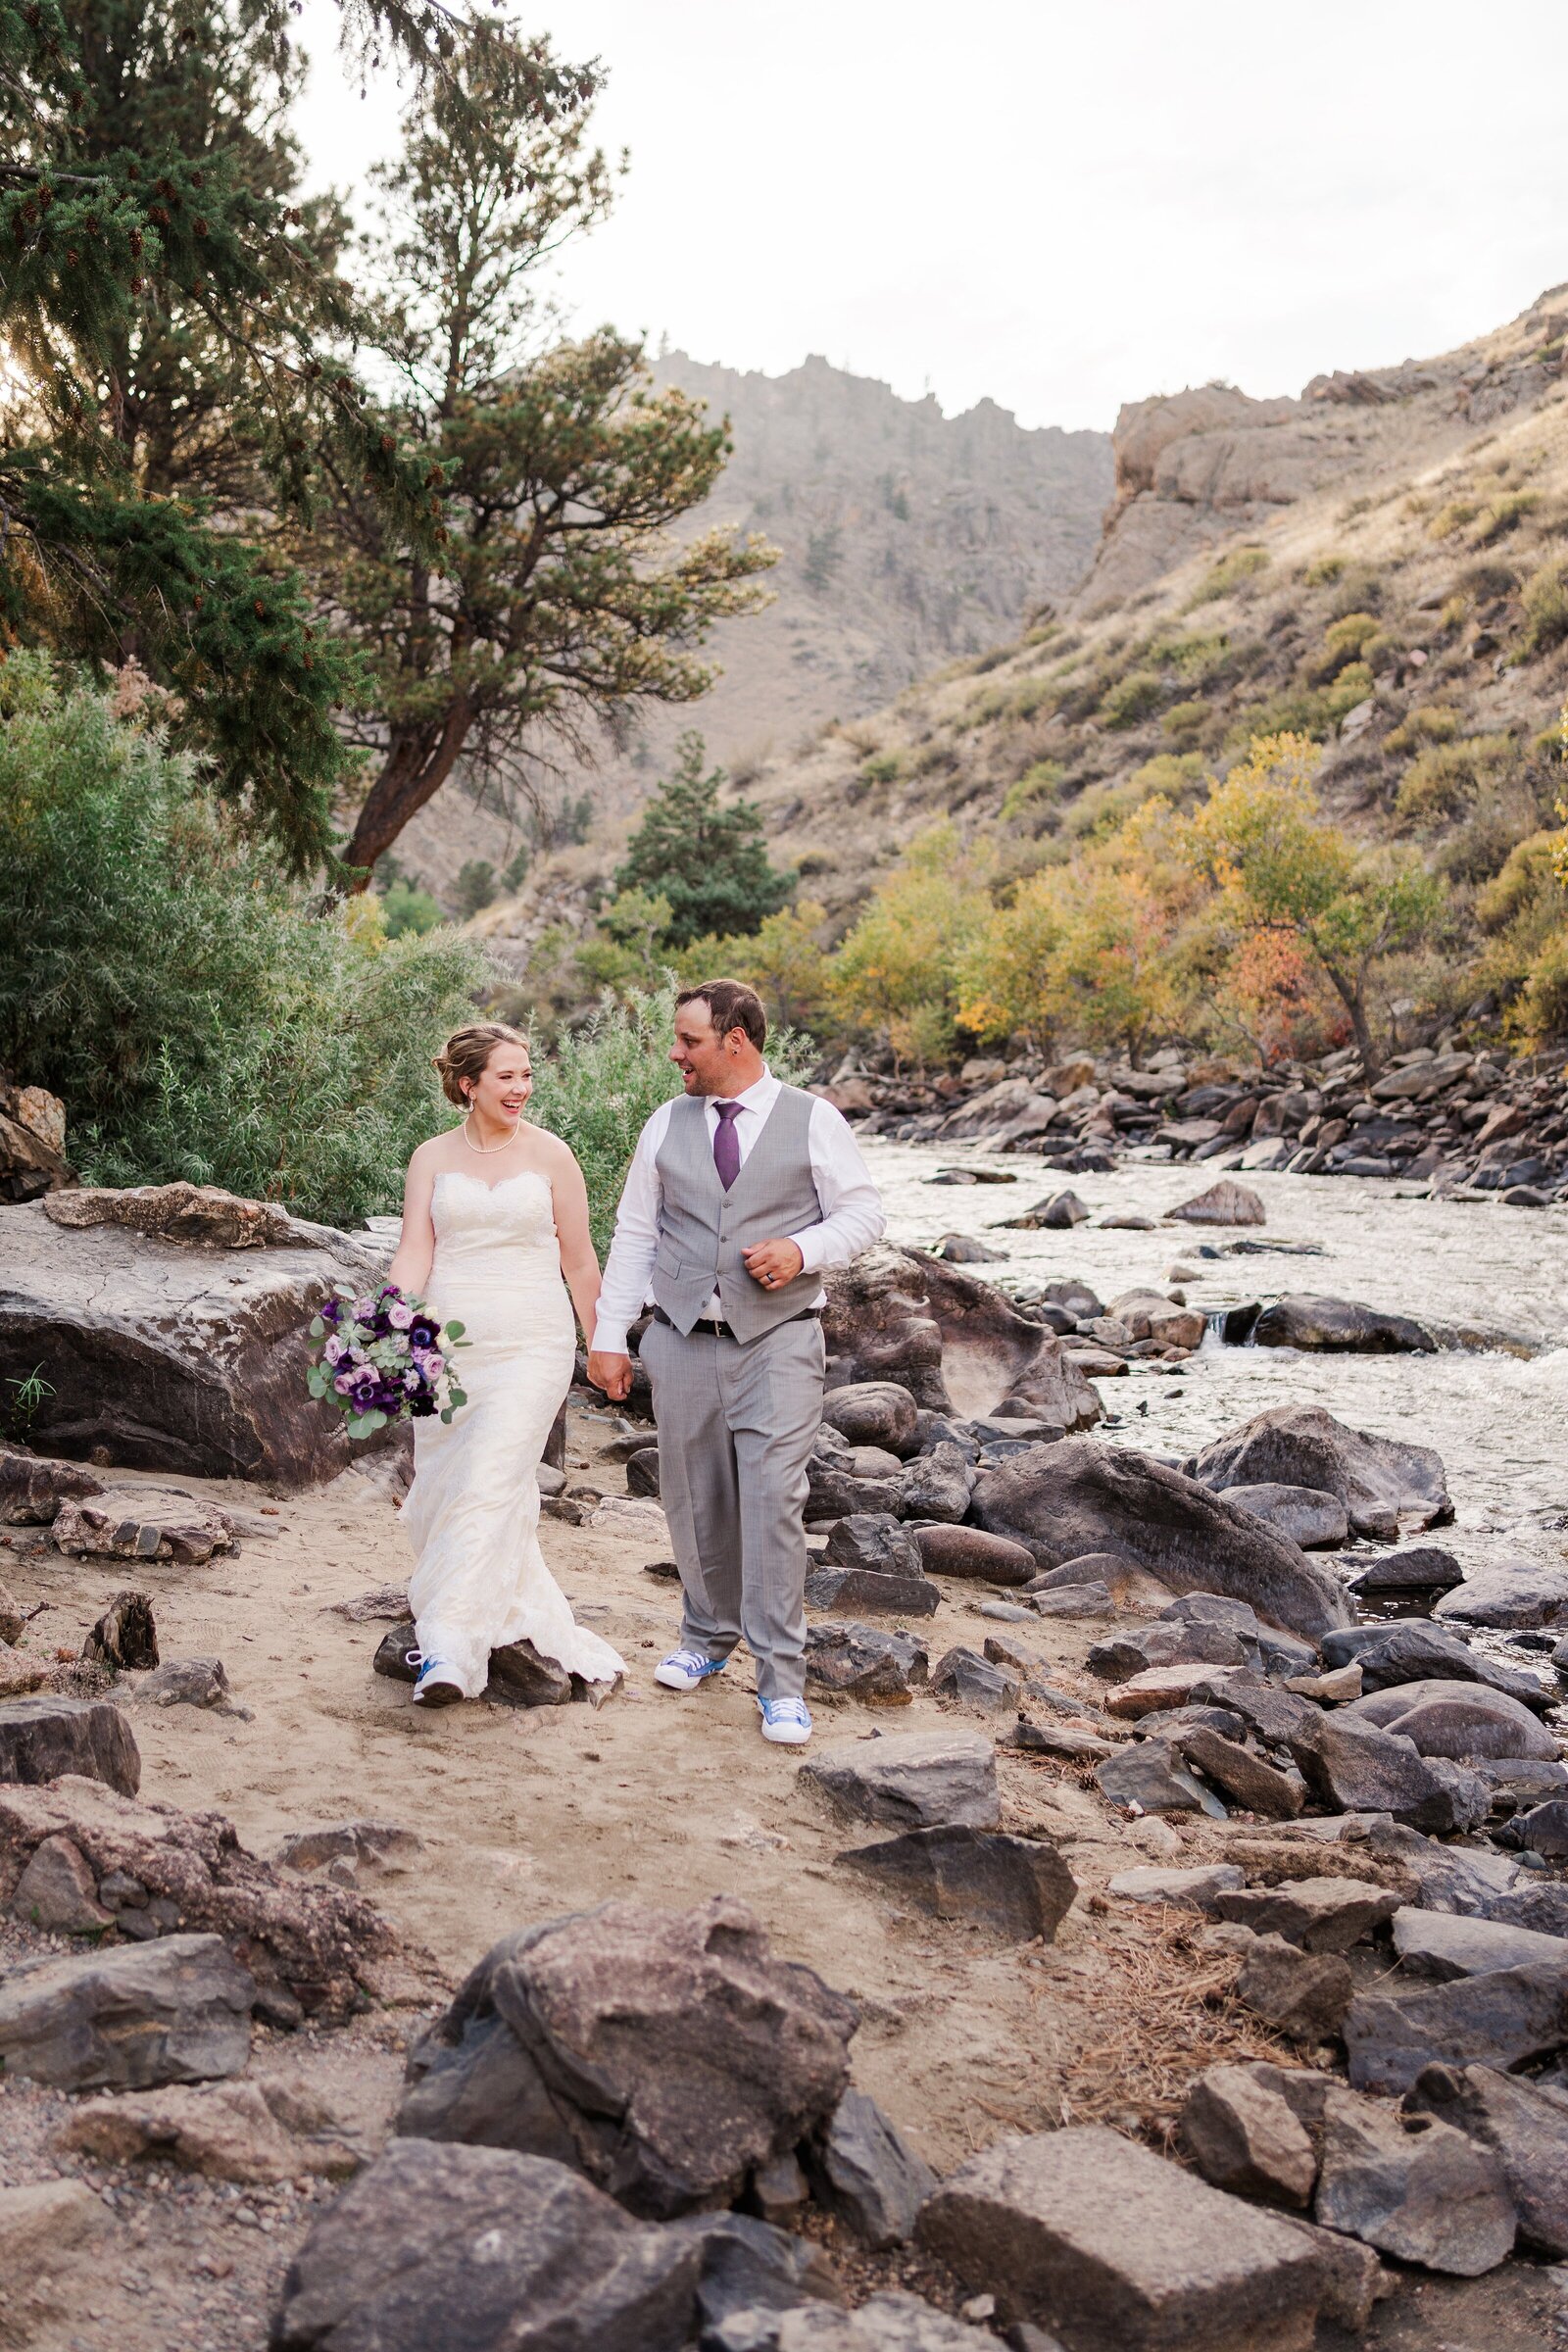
(462, 1061)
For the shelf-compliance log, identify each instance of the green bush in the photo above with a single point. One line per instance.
(1186, 718)
(1443, 782)
(1504, 515)
(406, 908)
(1432, 723)
(885, 768)
(197, 1017)
(1231, 572)
(1132, 697)
(1041, 782)
(1546, 603)
(474, 886)
(1324, 572)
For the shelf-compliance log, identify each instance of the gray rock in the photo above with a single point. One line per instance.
(143, 1523)
(1339, 1326)
(124, 1636)
(962, 1249)
(1525, 2128)
(874, 1412)
(874, 1541)
(522, 1676)
(666, 2054)
(1059, 1739)
(1320, 1914)
(1074, 1601)
(1464, 1721)
(865, 2171)
(976, 1682)
(1317, 1522)
(1513, 1599)
(1277, 1652)
(187, 1682)
(969, 1553)
(1105, 1568)
(861, 1661)
(1149, 1776)
(864, 1588)
(1016, 1886)
(1185, 1890)
(1392, 1654)
(1105, 2243)
(1413, 2187)
(910, 1779)
(1355, 1767)
(1242, 2136)
(753, 2266)
(642, 1472)
(1059, 1213)
(1079, 1496)
(489, 2249)
(1246, 1779)
(1379, 1480)
(1436, 1943)
(177, 2010)
(1503, 2019)
(1303, 1995)
(58, 1892)
(1545, 1828)
(392, 1654)
(378, 1846)
(1272, 1715)
(43, 1737)
(937, 1485)
(1413, 1568)
(1226, 1202)
(33, 1488)
(1123, 1655)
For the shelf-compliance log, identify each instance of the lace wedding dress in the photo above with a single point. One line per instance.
(472, 1511)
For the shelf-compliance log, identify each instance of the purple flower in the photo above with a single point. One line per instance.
(424, 1332)
(344, 1384)
(400, 1318)
(334, 1351)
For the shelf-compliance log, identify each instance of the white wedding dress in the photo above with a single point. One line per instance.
(472, 1511)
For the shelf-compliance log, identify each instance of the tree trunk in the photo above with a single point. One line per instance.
(1355, 1003)
(412, 774)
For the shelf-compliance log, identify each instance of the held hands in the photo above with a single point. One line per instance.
(611, 1373)
(773, 1263)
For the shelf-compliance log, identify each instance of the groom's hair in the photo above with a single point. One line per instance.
(731, 1004)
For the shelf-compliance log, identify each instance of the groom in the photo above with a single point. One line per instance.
(738, 1195)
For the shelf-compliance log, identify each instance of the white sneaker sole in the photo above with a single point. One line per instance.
(786, 1734)
(669, 1681)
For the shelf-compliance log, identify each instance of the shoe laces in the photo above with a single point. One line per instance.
(785, 1710)
(690, 1661)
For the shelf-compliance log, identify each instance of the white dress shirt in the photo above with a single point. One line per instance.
(852, 1209)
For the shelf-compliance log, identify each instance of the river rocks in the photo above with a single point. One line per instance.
(1153, 1690)
(1413, 1569)
(1504, 2018)
(173, 2011)
(874, 1412)
(1150, 1777)
(1303, 1995)
(937, 1485)
(1440, 1944)
(313, 1950)
(1246, 1779)
(31, 1489)
(1338, 1326)
(142, 1523)
(227, 2130)
(975, 1682)
(865, 2172)
(1151, 1315)
(1355, 1767)
(1379, 1480)
(1413, 2187)
(970, 1554)
(124, 1635)
(1077, 1496)
(866, 1588)
(43, 1737)
(861, 1661)
(348, 1847)
(1461, 1720)
(1513, 1599)
(874, 1541)
(1545, 1828)
(1074, 1600)
(189, 1361)
(1525, 2128)
(1390, 1655)
(665, 2055)
(1191, 1888)
(1100, 2241)
(1320, 1914)
(1242, 2136)
(1059, 1213)
(1226, 1202)
(910, 1779)
(750, 2267)
(962, 1249)
(1016, 1886)
(486, 2248)
(1317, 1522)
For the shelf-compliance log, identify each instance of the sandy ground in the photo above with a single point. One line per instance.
(652, 1798)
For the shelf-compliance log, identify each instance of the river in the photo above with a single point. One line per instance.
(1499, 1420)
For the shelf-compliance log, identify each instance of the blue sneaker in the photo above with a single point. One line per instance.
(787, 1722)
(684, 1669)
(435, 1687)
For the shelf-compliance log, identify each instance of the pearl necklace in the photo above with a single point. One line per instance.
(486, 1150)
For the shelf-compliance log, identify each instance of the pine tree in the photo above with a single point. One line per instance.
(710, 862)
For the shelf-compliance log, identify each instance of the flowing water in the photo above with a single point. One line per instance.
(1499, 1418)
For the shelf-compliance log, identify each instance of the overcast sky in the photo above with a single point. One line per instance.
(1057, 206)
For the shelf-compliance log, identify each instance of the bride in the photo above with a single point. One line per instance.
(494, 1212)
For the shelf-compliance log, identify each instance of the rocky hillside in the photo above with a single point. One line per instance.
(908, 538)
(1377, 563)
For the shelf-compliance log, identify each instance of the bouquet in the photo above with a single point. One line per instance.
(382, 1358)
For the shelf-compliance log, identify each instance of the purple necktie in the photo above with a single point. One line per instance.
(727, 1143)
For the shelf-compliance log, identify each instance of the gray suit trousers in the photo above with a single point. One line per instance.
(736, 1426)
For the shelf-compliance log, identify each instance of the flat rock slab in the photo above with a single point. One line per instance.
(1413, 2187)
(486, 2248)
(226, 2131)
(1440, 1944)
(41, 1738)
(1512, 1599)
(1244, 1779)
(1017, 1887)
(176, 2010)
(910, 1779)
(142, 1523)
(1112, 2249)
(1059, 1739)
(1504, 2019)
(1391, 1655)
(1525, 2127)
(1303, 1995)
(865, 1589)
(1188, 1889)
(1149, 1777)
(32, 1487)
(1320, 1914)
(1317, 1522)
(862, 1661)
(186, 1683)
(1243, 2136)
(1074, 1601)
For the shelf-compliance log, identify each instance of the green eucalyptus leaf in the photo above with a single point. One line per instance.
(454, 1331)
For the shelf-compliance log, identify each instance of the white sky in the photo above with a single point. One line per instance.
(1061, 204)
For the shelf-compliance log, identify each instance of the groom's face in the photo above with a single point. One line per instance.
(699, 1052)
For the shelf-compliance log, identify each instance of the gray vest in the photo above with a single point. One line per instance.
(703, 1229)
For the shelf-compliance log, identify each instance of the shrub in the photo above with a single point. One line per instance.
(1231, 573)
(198, 1018)
(1540, 1014)
(474, 886)
(782, 960)
(1546, 605)
(885, 768)
(1343, 641)
(1041, 782)
(1325, 570)
(1504, 515)
(406, 908)
(896, 972)
(1453, 517)
(1186, 718)
(1443, 780)
(1132, 698)
(1432, 722)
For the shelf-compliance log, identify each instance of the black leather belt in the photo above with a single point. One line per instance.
(715, 1329)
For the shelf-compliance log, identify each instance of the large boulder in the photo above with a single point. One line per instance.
(1380, 1481)
(1464, 1721)
(1507, 2018)
(1080, 1496)
(910, 1779)
(1226, 1202)
(43, 1737)
(952, 1340)
(1338, 1326)
(1112, 2249)
(1526, 2128)
(1413, 2187)
(1513, 1598)
(666, 2054)
(173, 2011)
(487, 2248)
(1017, 1887)
(184, 1355)
(1354, 1767)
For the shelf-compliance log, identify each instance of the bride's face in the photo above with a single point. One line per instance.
(503, 1085)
